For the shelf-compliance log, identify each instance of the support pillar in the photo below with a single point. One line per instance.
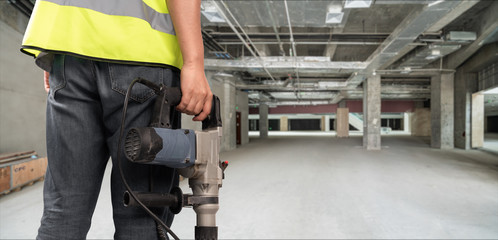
(406, 122)
(442, 111)
(477, 120)
(465, 85)
(284, 123)
(263, 120)
(229, 139)
(371, 113)
(327, 123)
(342, 121)
(322, 124)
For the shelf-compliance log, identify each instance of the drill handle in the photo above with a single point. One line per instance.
(168, 98)
(163, 114)
(213, 120)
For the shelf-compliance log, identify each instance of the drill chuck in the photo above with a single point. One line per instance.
(161, 146)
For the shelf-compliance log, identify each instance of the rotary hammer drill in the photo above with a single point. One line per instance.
(195, 155)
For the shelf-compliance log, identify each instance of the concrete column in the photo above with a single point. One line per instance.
(342, 120)
(341, 104)
(465, 85)
(371, 113)
(406, 122)
(327, 123)
(263, 120)
(284, 123)
(225, 90)
(442, 109)
(229, 140)
(322, 124)
(477, 120)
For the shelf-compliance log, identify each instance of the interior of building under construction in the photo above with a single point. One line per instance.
(341, 119)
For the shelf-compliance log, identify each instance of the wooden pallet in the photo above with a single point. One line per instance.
(9, 157)
(14, 174)
(19, 188)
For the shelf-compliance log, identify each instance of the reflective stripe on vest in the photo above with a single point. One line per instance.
(138, 9)
(132, 31)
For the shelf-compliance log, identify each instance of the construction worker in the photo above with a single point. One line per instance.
(92, 50)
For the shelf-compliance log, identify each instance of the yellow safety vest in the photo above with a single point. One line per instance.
(132, 31)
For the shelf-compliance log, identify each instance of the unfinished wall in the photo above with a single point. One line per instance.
(22, 96)
(421, 122)
(488, 77)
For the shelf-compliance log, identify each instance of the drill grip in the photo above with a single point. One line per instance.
(168, 98)
(163, 113)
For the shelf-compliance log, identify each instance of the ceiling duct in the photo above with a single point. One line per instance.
(459, 36)
(281, 66)
(303, 103)
(255, 96)
(255, 13)
(406, 32)
(428, 55)
(303, 95)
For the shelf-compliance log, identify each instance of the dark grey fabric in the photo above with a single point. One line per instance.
(83, 119)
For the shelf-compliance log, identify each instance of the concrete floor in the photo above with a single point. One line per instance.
(491, 143)
(304, 187)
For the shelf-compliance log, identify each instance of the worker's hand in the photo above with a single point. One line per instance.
(45, 80)
(196, 93)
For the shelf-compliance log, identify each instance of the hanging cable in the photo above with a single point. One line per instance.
(258, 55)
(120, 149)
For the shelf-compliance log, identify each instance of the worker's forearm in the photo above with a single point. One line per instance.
(196, 93)
(186, 19)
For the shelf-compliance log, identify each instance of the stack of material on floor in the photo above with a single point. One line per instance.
(20, 169)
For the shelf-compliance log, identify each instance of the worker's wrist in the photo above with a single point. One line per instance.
(194, 62)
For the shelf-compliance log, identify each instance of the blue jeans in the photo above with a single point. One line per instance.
(83, 121)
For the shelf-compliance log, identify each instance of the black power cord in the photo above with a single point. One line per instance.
(121, 133)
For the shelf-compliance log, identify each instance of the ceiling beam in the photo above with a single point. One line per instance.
(430, 17)
(488, 26)
(284, 65)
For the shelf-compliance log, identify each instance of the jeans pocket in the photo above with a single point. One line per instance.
(122, 75)
(57, 79)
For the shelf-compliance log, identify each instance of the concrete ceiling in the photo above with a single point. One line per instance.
(280, 62)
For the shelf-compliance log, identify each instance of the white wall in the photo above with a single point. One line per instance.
(22, 96)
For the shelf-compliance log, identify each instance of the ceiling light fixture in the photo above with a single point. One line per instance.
(357, 3)
(435, 3)
(435, 54)
(211, 13)
(334, 18)
(334, 14)
(406, 70)
(213, 16)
